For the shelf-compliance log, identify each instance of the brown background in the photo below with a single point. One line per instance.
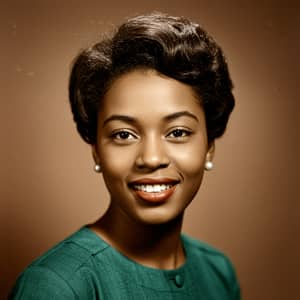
(247, 206)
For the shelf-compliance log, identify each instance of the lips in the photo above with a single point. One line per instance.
(154, 190)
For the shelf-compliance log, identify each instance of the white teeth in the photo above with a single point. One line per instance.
(156, 189)
(150, 188)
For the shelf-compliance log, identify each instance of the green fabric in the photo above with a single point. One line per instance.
(83, 266)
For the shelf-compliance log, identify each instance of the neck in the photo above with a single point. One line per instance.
(157, 246)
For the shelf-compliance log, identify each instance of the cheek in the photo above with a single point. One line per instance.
(116, 164)
(190, 160)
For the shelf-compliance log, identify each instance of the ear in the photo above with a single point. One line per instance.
(95, 154)
(211, 151)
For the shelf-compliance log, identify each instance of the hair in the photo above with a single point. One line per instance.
(172, 46)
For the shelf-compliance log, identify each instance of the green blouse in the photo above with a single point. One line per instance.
(83, 266)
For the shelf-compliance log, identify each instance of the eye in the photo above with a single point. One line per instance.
(179, 133)
(123, 135)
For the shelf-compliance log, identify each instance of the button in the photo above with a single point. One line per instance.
(178, 280)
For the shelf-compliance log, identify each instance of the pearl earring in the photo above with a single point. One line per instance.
(208, 165)
(97, 168)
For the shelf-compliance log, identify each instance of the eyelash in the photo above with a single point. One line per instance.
(117, 135)
(180, 130)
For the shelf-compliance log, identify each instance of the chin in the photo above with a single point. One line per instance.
(160, 217)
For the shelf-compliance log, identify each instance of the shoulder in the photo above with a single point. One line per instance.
(53, 275)
(71, 254)
(39, 283)
(213, 262)
(204, 250)
(207, 253)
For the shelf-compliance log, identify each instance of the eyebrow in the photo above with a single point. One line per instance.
(180, 114)
(170, 117)
(124, 118)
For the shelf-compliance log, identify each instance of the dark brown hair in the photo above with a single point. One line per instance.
(174, 47)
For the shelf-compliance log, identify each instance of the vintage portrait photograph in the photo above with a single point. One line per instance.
(149, 150)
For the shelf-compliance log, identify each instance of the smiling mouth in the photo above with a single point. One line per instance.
(154, 191)
(152, 188)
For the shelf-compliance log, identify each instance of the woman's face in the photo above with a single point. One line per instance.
(151, 145)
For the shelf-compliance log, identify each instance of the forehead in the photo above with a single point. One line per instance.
(140, 92)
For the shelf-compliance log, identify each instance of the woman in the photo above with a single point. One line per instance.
(150, 100)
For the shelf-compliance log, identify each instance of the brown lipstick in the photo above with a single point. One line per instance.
(154, 190)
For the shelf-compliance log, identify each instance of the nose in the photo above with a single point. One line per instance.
(152, 154)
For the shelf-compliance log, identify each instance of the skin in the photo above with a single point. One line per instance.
(149, 126)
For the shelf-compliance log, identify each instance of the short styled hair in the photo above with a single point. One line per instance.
(172, 46)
